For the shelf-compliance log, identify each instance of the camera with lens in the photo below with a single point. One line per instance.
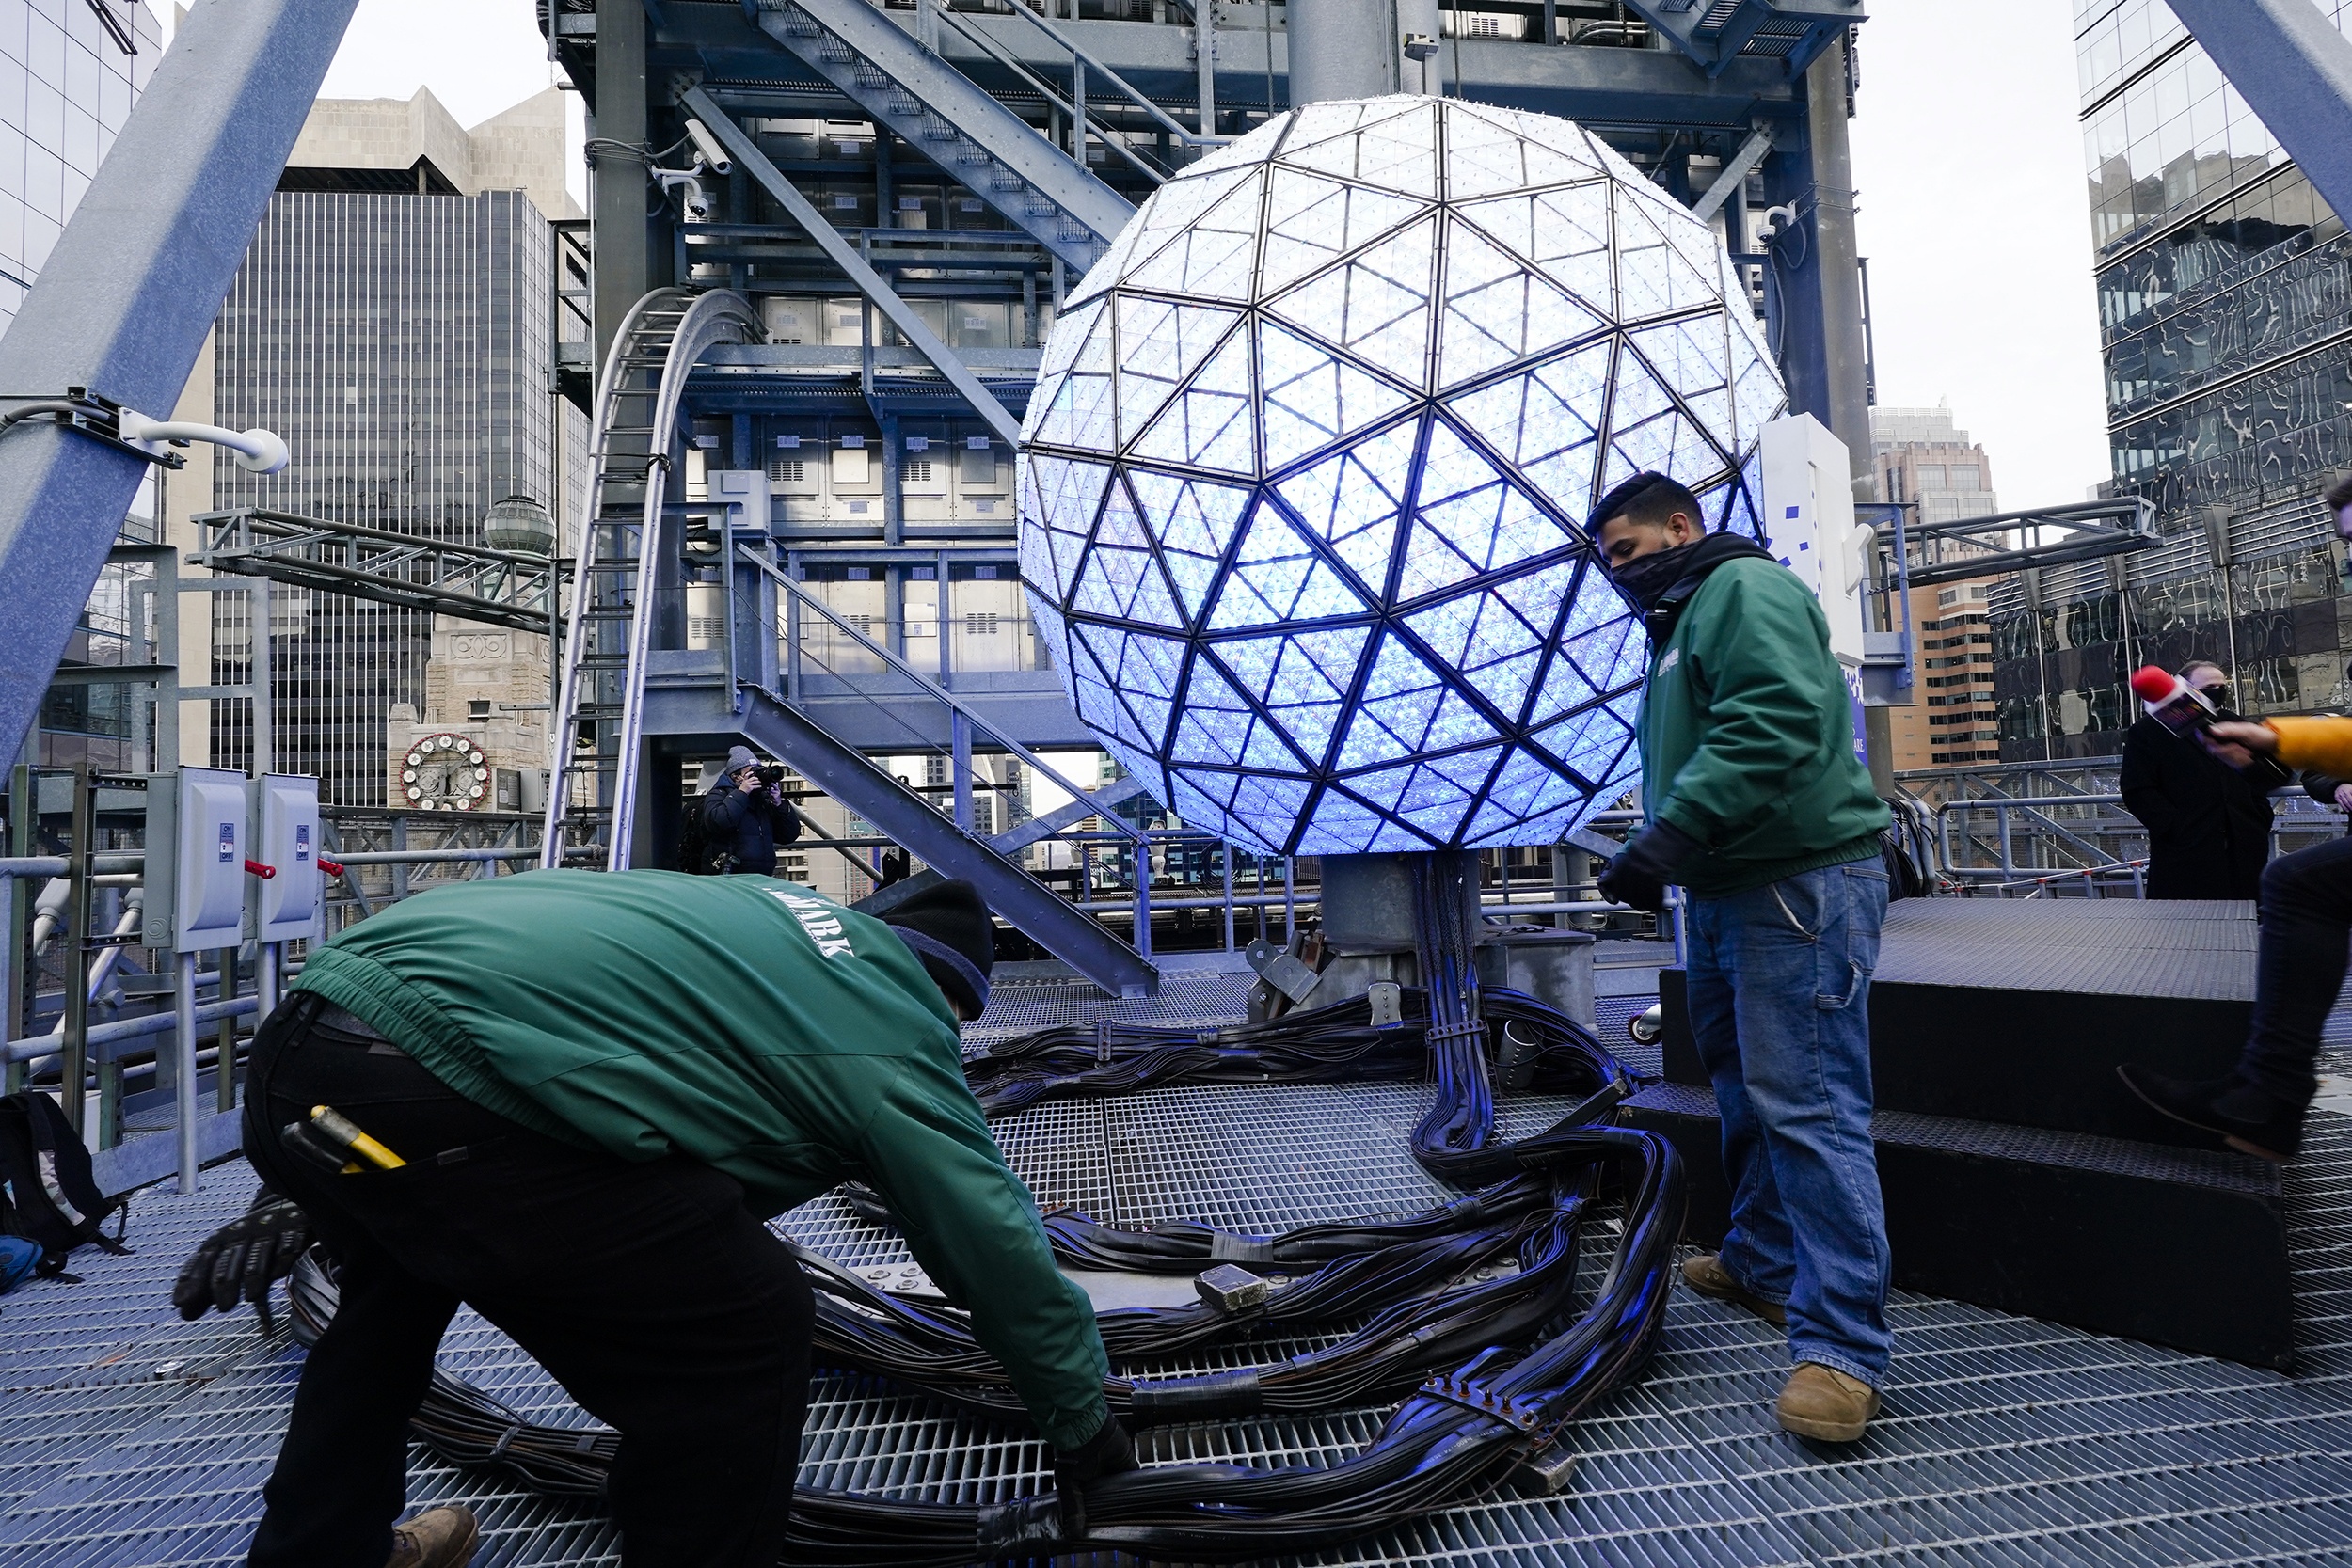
(772, 773)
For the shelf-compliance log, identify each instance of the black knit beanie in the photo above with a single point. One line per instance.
(948, 927)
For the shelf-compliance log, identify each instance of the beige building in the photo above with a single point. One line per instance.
(1923, 459)
(480, 742)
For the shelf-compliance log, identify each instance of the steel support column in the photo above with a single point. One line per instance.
(622, 236)
(125, 299)
(2294, 68)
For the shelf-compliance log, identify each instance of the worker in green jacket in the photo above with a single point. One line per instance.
(1758, 808)
(599, 1089)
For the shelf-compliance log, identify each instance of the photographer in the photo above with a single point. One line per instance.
(745, 816)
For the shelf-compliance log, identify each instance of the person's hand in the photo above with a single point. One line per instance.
(2344, 797)
(2237, 742)
(237, 1262)
(748, 780)
(1108, 1452)
(1652, 859)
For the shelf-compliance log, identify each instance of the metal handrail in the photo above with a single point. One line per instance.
(1036, 84)
(1195, 138)
(932, 689)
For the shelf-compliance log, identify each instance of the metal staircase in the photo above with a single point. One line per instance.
(956, 124)
(592, 783)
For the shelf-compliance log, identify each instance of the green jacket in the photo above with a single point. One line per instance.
(747, 1024)
(1747, 735)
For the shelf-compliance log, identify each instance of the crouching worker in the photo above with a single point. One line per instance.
(597, 1088)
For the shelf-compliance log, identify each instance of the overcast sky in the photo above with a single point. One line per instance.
(1967, 160)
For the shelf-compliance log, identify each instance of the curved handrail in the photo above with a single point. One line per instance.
(720, 316)
(708, 319)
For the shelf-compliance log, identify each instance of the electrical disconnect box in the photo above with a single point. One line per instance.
(195, 855)
(286, 838)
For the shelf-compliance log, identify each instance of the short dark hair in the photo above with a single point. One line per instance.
(2204, 664)
(1647, 499)
(2339, 495)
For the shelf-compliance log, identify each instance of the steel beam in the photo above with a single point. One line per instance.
(2294, 68)
(746, 154)
(125, 299)
(1034, 908)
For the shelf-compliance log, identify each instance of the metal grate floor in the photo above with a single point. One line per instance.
(128, 1438)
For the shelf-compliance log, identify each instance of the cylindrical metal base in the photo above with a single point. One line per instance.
(1343, 49)
(1368, 899)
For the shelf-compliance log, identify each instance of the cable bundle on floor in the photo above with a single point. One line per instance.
(1455, 1434)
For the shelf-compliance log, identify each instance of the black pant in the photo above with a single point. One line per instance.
(2306, 921)
(646, 1289)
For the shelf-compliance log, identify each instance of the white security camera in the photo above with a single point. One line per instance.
(708, 145)
(256, 451)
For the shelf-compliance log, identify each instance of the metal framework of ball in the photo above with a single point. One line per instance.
(1306, 473)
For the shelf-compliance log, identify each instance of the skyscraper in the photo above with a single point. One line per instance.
(1924, 459)
(2222, 298)
(69, 74)
(394, 321)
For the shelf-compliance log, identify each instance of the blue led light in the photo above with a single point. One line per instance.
(1303, 477)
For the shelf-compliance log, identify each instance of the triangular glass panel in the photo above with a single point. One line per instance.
(1322, 121)
(1564, 233)
(1352, 498)
(1214, 726)
(1080, 413)
(1171, 209)
(1496, 312)
(1313, 399)
(1489, 525)
(1271, 806)
(1392, 715)
(1481, 157)
(1073, 345)
(1612, 657)
(1339, 825)
(1457, 722)
(1564, 689)
(1161, 345)
(1556, 150)
(1053, 633)
(1209, 423)
(1255, 147)
(1313, 221)
(1216, 256)
(1396, 837)
(1382, 786)
(1396, 152)
(1150, 665)
(1266, 752)
(1376, 305)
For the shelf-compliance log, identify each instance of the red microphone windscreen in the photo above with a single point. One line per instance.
(2151, 685)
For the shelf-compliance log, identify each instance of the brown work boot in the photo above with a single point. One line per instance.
(438, 1538)
(1825, 1404)
(1707, 1274)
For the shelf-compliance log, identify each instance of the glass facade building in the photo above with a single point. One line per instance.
(67, 85)
(2224, 299)
(401, 343)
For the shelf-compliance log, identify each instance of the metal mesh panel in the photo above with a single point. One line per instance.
(2003, 1441)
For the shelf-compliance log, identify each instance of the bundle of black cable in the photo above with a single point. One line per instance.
(1524, 1359)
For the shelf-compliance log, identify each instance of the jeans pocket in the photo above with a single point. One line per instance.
(1804, 903)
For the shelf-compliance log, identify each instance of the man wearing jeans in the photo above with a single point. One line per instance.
(1759, 809)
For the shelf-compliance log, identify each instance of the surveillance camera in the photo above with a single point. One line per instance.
(708, 145)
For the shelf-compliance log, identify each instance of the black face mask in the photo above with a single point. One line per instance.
(1647, 578)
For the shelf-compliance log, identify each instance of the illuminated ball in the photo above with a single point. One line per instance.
(1304, 475)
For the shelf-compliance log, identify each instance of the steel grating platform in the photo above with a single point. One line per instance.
(128, 1438)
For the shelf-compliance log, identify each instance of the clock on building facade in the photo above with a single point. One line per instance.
(445, 773)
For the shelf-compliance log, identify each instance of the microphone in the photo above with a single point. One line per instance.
(2171, 701)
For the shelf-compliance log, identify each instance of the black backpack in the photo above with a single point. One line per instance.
(51, 1195)
(694, 852)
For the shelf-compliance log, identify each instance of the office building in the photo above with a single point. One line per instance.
(1925, 461)
(2221, 286)
(68, 75)
(395, 322)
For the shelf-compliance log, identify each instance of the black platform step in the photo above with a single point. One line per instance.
(2019, 1011)
(2177, 1247)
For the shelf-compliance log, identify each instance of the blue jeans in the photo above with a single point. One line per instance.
(1780, 987)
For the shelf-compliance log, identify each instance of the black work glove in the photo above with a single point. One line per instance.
(1653, 858)
(238, 1261)
(1108, 1452)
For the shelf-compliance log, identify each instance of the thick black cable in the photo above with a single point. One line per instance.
(1450, 1438)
